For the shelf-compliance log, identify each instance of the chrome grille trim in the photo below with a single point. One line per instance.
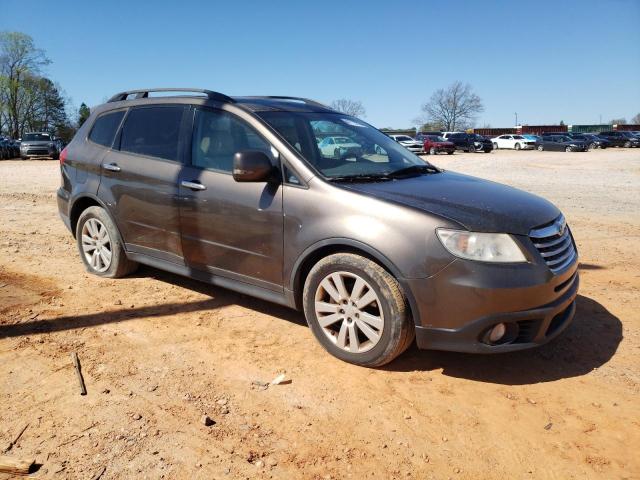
(555, 245)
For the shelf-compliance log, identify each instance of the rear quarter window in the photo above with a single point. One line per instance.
(105, 127)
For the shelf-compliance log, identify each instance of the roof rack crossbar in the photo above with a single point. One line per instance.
(301, 99)
(144, 93)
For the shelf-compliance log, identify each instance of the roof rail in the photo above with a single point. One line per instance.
(144, 93)
(300, 99)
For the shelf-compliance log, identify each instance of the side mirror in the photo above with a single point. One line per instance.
(252, 166)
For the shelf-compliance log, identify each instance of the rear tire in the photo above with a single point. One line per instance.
(393, 331)
(432, 151)
(450, 153)
(100, 247)
(627, 144)
(540, 148)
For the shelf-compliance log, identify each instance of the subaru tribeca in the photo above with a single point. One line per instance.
(375, 245)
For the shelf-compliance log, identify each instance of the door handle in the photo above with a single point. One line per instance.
(193, 185)
(113, 167)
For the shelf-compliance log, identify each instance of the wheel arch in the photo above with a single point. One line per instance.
(80, 204)
(324, 248)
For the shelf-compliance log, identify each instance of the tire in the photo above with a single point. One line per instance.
(627, 144)
(517, 147)
(450, 152)
(396, 332)
(540, 148)
(592, 146)
(567, 149)
(24, 158)
(471, 149)
(55, 157)
(432, 151)
(495, 146)
(336, 153)
(118, 265)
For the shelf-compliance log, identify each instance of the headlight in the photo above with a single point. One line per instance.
(482, 247)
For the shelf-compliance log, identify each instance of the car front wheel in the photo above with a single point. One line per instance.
(356, 310)
(495, 146)
(517, 146)
(100, 247)
(540, 148)
(432, 151)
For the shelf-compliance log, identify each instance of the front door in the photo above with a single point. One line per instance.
(228, 228)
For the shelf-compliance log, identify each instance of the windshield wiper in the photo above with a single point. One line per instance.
(414, 169)
(368, 177)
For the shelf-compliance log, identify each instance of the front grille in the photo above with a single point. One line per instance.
(555, 244)
(37, 151)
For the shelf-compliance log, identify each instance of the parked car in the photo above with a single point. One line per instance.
(339, 147)
(409, 143)
(433, 144)
(592, 140)
(375, 249)
(561, 143)
(621, 139)
(516, 142)
(470, 142)
(38, 144)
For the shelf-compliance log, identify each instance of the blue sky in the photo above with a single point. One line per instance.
(549, 61)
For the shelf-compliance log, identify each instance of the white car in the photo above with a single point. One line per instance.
(517, 142)
(409, 143)
(339, 147)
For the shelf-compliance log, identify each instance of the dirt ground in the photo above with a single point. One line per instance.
(159, 351)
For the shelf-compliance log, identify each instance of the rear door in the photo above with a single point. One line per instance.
(229, 228)
(140, 180)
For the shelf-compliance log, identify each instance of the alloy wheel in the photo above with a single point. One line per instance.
(349, 312)
(96, 245)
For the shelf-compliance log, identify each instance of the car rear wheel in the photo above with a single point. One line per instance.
(540, 148)
(356, 310)
(627, 144)
(432, 151)
(517, 147)
(99, 245)
(450, 152)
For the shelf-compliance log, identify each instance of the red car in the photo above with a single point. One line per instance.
(434, 144)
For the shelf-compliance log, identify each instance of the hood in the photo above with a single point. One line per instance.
(479, 205)
(37, 143)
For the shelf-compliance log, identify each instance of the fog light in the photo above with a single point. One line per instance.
(497, 332)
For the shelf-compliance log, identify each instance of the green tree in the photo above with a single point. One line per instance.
(19, 61)
(83, 114)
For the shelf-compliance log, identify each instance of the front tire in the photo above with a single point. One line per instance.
(568, 149)
(99, 245)
(540, 148)
(495, 146)
(627, 144)
(356, 310)
(517, 146)
(432, 151)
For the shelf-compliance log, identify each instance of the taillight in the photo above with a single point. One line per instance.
(63, 156)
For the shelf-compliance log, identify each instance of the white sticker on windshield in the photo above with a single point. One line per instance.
(352, 123)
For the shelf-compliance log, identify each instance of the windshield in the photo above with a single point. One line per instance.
(30, 137)
(518, 137)
(366, 151)
(404, 138)
(435, 138)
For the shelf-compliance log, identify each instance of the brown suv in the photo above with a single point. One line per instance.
(376, 245)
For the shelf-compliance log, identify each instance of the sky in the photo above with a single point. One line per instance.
(569, 60)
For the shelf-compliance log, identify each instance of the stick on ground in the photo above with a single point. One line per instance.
(76, 363)
(15, 466)
(99, 474)
(15, 440)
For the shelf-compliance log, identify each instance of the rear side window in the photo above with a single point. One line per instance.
(105, 128)
(153, 131)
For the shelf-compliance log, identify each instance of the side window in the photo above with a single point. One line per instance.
(153, 131)
(218, 135)
(104, 128)
(290, 177)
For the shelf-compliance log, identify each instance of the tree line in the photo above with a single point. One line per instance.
(29, 101)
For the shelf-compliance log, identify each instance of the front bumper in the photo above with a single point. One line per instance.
(456, 308)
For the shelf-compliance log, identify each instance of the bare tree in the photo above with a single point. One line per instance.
(454, 107)
(636, 120)
(355, 108)
(618, 121)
